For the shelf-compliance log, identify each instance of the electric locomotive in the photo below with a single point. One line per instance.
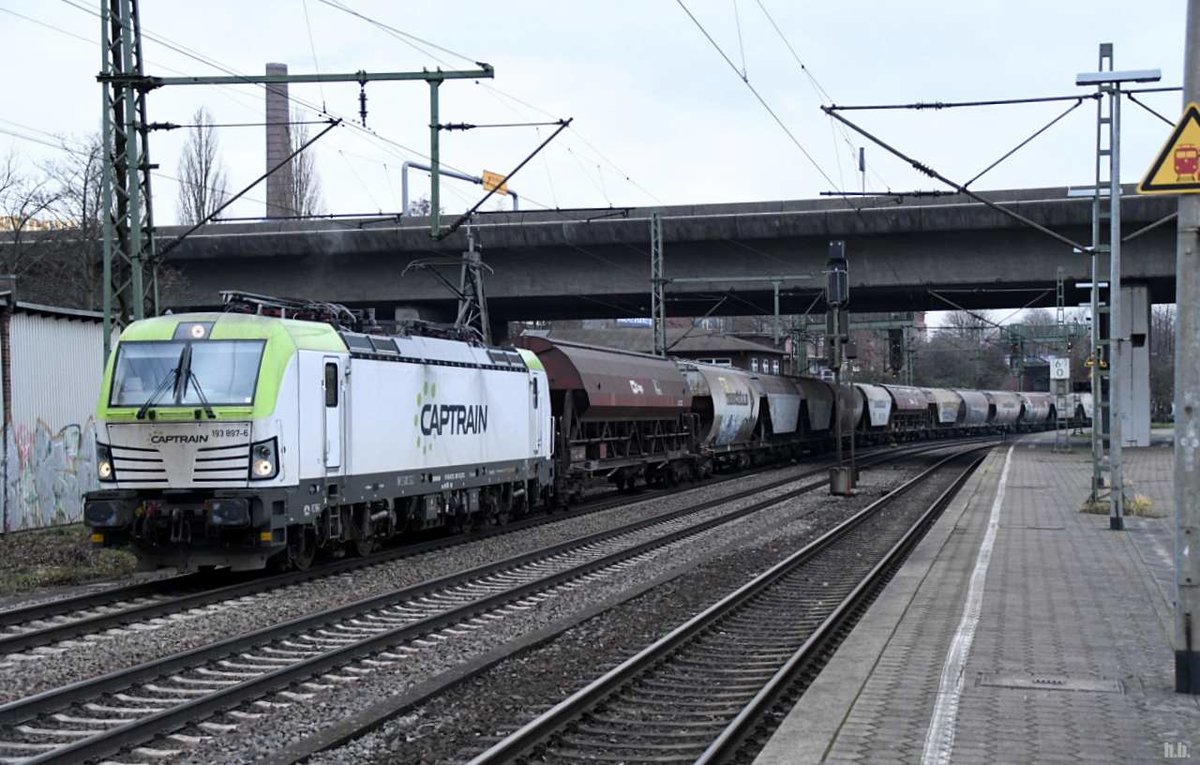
(239, 440)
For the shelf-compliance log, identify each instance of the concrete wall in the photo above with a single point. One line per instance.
(581, 264)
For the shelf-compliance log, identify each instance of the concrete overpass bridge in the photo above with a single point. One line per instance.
(595, 263)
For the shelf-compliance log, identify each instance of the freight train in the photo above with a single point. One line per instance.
(246, 440)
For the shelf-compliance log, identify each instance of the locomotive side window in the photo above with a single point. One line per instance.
(535, 393)
(331, 385)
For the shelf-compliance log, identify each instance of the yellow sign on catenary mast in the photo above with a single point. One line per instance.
(1176, 169)
(494, 182)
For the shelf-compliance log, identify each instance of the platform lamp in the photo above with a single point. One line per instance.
(837, 295)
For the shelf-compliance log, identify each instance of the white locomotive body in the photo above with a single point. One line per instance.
(234, 440)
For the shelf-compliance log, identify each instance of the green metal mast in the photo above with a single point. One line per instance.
(128, 224)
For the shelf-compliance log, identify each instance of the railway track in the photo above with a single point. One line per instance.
(214, 688)
(44, 624)
(53, 621)
(699, 692)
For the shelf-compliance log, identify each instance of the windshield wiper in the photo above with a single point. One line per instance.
(195, 381)
(167, 382)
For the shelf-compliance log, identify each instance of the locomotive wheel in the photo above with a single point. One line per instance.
(362, 547)
(302, 553)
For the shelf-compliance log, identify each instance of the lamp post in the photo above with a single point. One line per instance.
(1108, 85)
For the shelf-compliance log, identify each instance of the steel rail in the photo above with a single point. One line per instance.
(107, 742)
(16, 642)
(526, 739)
(739, 728)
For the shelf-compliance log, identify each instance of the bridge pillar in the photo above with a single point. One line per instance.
(1133, 365)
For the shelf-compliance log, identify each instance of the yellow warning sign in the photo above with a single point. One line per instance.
(493, 182)
(1176, 169)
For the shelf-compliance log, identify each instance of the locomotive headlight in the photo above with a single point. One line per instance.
(104, 465)
(264, 460)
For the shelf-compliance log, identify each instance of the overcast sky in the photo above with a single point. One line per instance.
(660, 117)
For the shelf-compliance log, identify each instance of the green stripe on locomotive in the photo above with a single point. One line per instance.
(283, 338)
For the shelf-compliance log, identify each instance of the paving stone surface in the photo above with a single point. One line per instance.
(1068, 609)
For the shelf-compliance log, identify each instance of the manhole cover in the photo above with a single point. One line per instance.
(1049, 682)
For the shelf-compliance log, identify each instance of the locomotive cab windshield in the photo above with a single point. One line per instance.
(186, 373)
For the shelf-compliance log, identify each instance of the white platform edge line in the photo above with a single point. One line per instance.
(939, 739)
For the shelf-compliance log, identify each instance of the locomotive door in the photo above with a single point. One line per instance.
(332, 387)
(535, 414)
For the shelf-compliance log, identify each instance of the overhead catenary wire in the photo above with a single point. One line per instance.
(783, 126)
(819, 89)
(1025, 142)
(378, 141)
(923, 105)
(927, 170)
(737, 19)
(301, 103)
(176, 125)
(313, 48)
(495, 92)
(408, 37)
(358, 178)
(1147, 107)
(229, 91)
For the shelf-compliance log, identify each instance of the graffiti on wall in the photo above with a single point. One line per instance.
(46, 474)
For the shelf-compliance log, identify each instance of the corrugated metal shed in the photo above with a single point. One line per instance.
(54, 368)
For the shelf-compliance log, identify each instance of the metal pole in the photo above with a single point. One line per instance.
(658, 308)
(106, 221)
(1187, 401)
(1116, 332)
(404, 187)
(837, 379)
(435, 200)
(132, 163)
(775, 285)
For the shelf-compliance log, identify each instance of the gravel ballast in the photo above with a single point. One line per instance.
(742, 548)
(457, 725)
(52, 666)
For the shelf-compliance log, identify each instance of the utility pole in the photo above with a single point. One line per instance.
(1187, 402)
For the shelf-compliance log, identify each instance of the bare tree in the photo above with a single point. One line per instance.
(1162, 361)
(75, 268)
(203, 181)
(25, 204)
(306, 185)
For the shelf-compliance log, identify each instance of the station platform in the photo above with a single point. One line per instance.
(1046, 639)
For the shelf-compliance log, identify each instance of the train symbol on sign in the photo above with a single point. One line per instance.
(1187, 162)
